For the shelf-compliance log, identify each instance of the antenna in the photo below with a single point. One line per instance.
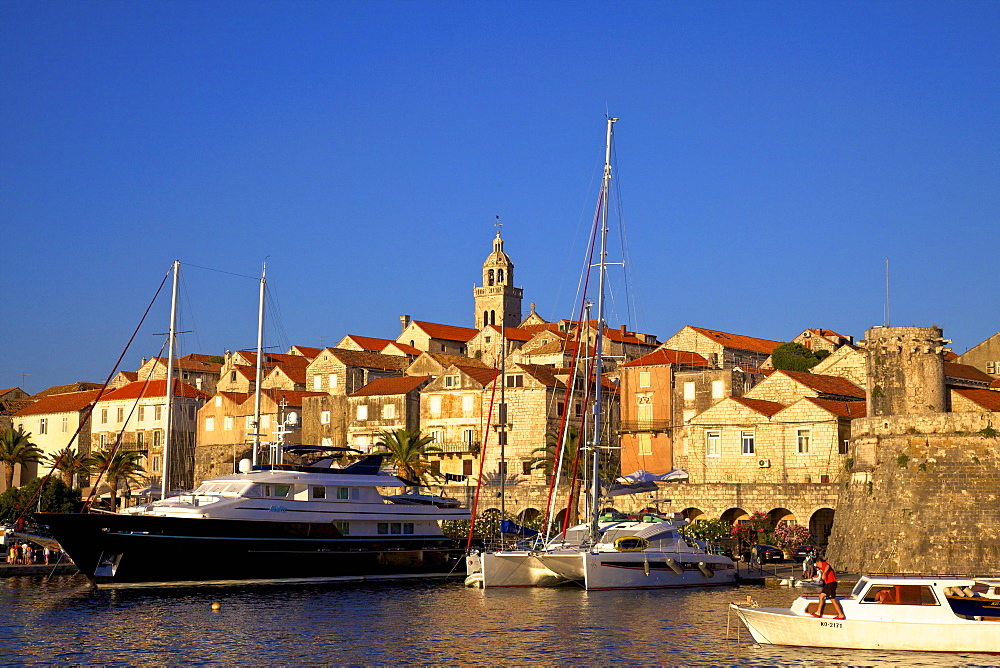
(498, 225)
(888, 319)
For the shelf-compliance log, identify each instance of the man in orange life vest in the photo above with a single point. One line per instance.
(829, 579)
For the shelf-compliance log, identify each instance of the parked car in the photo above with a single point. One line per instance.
(769, 552)
(804, 551)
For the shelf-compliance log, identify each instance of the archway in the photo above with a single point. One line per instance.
(779, 515)
(693, 515)
(820, 525)
(529, 517)
(734, 515)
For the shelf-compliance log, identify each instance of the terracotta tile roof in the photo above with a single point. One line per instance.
(950, 355)
(460, 360)
(292, 397)
(834, 385)
(63, 389)
(763, 407)
(190, 364)
(404, 348)
(554, 347)
(236, 397)
(307, 352)
(275, 359)
(513, 333)
(388, 386)
(667, 356)
(541, 327)
(367, 360)
(9, 389)
(199, 357)
(988, 399)
(370, 343)
(483, 375)
(828, 333)
(294, 374)
(60, 403)
(618, 336)
(995, 383)
(155, 388)
(248, 372)
(130, 375)
(966, 372)
(446, 332)
(848, 409)
(738, 341)
(543, 374)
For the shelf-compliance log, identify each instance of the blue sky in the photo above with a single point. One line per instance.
(769, 156)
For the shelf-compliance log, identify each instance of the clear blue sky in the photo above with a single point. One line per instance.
(770, 155)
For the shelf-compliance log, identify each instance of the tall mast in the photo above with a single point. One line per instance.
(502, 437)
(598, 340)
(260, 366)
(168, 416)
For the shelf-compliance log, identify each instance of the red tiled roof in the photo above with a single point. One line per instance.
(738, 341)
(763, 407)
(828, 332)
(541, 327)
(834, 385)
(446, 360)
(404, 348)
(130, 375)
(387, 386)
(848, 409)
(543, 374)
(155, 388)
(483, 375)
(995, 383)
(513, 333)
(63, 389)
(367, 360)
(625, 337)
(446, 332)
(292, 397)
(560, 346)
(369, 343)
(307, 351)
(190, 364)
(950, 355)
(667, 356)
(296, 375)
(988, 399)
(966, 371)
(60, 403)
(275, 359)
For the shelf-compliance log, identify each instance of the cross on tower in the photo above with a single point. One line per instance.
(498, 225)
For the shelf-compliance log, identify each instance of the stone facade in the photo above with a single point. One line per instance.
(385, 404)
(498, 302)
(905, 370)
(846, 362)
(984, 356)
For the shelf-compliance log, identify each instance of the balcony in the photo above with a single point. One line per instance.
(456, 446)
(637, 426)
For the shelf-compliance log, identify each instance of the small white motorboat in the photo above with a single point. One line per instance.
(890, 612)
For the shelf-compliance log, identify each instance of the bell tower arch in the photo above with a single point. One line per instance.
(498, 302)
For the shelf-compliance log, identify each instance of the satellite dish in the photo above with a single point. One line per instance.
(245, 466)
(293, 418)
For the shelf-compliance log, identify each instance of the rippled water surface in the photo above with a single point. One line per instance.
(65, 622)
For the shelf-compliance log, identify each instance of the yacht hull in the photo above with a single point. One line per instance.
(511, 568)
(136, 549)
(641, 570)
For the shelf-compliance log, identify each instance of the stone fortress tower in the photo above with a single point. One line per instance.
(921, 492)
(498, 302)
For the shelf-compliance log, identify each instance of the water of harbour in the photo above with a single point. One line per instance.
(432, 622)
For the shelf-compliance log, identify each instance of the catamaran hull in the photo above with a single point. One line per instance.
(122, 549)
(510, 568)
(780, 627)
(639, 570)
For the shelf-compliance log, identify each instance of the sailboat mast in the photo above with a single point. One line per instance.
(599, 339)
(260, 366)
(169, 414)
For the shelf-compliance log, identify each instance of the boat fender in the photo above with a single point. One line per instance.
(645, 565)
(631, 544)
(674, 566)
(705, 569)
(475, 580)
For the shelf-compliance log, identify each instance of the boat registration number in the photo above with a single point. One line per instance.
(832, 625)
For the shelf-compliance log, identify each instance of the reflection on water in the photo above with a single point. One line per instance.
(65, 622)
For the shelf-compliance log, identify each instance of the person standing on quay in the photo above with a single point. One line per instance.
(829, 579)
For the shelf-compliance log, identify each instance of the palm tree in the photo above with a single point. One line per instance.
(545, 458)
(118, 466)
(69, 462)
(407, 450)
(16, 448)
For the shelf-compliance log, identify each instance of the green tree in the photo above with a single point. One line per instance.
(69, 462)
(118, 467)
(408, 450)
(544, 458)
(795, 357)
(16, 448)
(56, 497)
(755, 530)
(710, 531)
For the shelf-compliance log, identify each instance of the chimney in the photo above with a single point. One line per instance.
(623, 330)
(404, 320)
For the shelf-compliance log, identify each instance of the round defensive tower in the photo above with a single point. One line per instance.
(905, 370)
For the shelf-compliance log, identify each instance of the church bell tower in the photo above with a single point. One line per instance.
(498, 302)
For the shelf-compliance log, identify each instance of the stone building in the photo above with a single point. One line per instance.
(435, 338)
(54, 423)
(923, 495)
(435, 364)
(12, 400)
(339, 372)
(498, 302)
(848, 362)
(194, 369)
(721, 349)
(384, 404)
(494, 342)
(823, 339)
(984, 356)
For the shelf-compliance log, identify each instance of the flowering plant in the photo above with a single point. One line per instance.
(755, 530)
(791, 536)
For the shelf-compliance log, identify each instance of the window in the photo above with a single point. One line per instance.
(468, 436)
(343, 527)
(515, 381)
(718, 389)
(227, 422)
(487, 339)
(389, 412)
(560, 408)
(103, 440)
(468, 404)
(265, 421)
(232, 379)
(435, 405)
(140, 440)
(104, 416)
(343, 493)
(156, 463)
(644, 380)
(142, 413)
(645, 444)
(712, 439)
(451, 381)
(466, 467)
(65, 425)
(248, 420)
(395, 528)
(157, 438)
(526, 467)
(363, 412)
(324, 417)
(645, 414)
(749, 446)
(158, 413)
(688, 391)
(577, 409)
(845, 447)
(210, 424)
(991, 367)
(333, 380)
(802, 438)
(218, 400)
(900, 595)
(437, 435)
(282, 490)
(326, 442)
(317, 382)
(502, 468)
(43, 425)
(319, 492)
